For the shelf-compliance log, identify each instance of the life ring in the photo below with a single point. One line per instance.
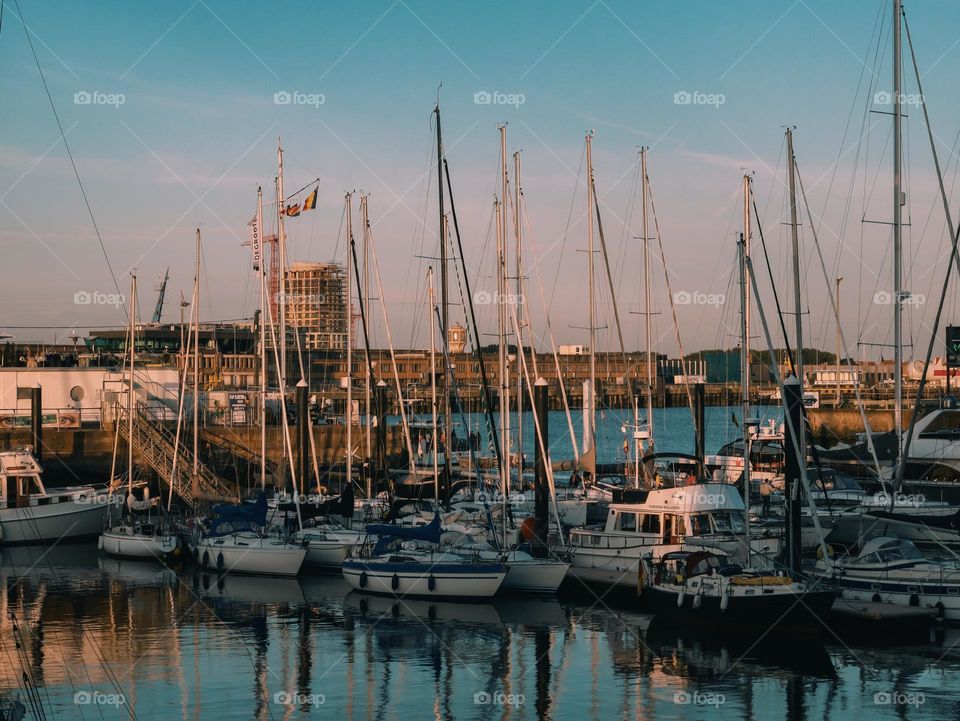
(220, 561)
(363, 579)
(206, 558)
(395, 582)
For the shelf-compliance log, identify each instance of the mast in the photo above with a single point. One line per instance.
(433, 385)
(282, 243)
(130, 404)
(519, 305)
(898, 201)
(744, 253)
(798, 308)
(196, 361)
(348, 415)
(365, 302)
(589, 443)
(745, 309)
(646, 293)
(263, 346)
(502, 313)
(444, 302)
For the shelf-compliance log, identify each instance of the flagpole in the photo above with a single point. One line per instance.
(261, 272)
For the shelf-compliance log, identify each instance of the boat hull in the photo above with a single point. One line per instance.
(257, 556)
(53, 522)
(424, 580)
(943, 597)
(536, 576)
(136, 546)
(781, 610)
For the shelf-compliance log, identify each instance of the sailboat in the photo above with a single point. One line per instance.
(237, 538)
(135, 534)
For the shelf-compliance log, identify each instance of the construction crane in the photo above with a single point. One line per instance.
(161, 292)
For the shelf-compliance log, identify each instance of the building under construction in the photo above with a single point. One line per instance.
(317, 304)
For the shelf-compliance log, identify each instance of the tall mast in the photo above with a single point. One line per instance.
(433, 385)
(348, 414)
(444, 300)
(797, 303)
(897, 236)
(590, 442)
(519, 306)
(196, 359)
(282, 242)
(745, 356)
(368, 379)
(647, 310)
(264, 315)
(502, 308)
(130, 404)
(745, 312)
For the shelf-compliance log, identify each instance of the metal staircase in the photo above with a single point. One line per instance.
(155, 444)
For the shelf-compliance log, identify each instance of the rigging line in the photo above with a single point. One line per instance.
(315, 181)
(606, 265)
(773, 286)
(76, 172)
(673, 306)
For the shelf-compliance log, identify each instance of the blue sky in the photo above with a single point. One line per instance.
(198, 127)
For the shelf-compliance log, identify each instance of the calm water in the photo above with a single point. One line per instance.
(672, 429)
(104, 639)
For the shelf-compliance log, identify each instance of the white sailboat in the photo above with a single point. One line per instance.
(135, 534)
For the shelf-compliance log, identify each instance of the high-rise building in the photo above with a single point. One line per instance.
(317, 304)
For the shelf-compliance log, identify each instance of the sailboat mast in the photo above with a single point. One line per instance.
(282, 243)
(502, 310)
(795, 243)
(196, 360)
(897, 234)
(130, 404)
(433, 385)
(264, 314)
(745, 313)
(647, 310)
(519, 306)
(588, 443)
(348, 413)
(444, 300)
(368, 378)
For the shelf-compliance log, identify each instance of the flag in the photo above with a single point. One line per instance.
(256, 239)
(293, 210)
(311, 202)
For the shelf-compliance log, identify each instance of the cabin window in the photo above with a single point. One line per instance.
(650, 522)
(628, 522)
(699, 524)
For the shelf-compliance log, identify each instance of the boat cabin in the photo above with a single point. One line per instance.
(19, 479)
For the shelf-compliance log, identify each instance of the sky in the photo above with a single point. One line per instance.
(184, 118)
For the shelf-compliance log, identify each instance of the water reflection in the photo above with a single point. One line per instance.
(182, 645)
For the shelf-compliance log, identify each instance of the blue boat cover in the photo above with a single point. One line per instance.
(388, 533)
(236, 518)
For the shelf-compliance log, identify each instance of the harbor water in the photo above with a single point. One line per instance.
(105, 639)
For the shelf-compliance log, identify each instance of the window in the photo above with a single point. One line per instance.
(699, 524)
(651, 523)
(628, 522)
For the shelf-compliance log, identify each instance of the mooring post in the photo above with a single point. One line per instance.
(303, 440)
(700, 428)
(36, 421)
